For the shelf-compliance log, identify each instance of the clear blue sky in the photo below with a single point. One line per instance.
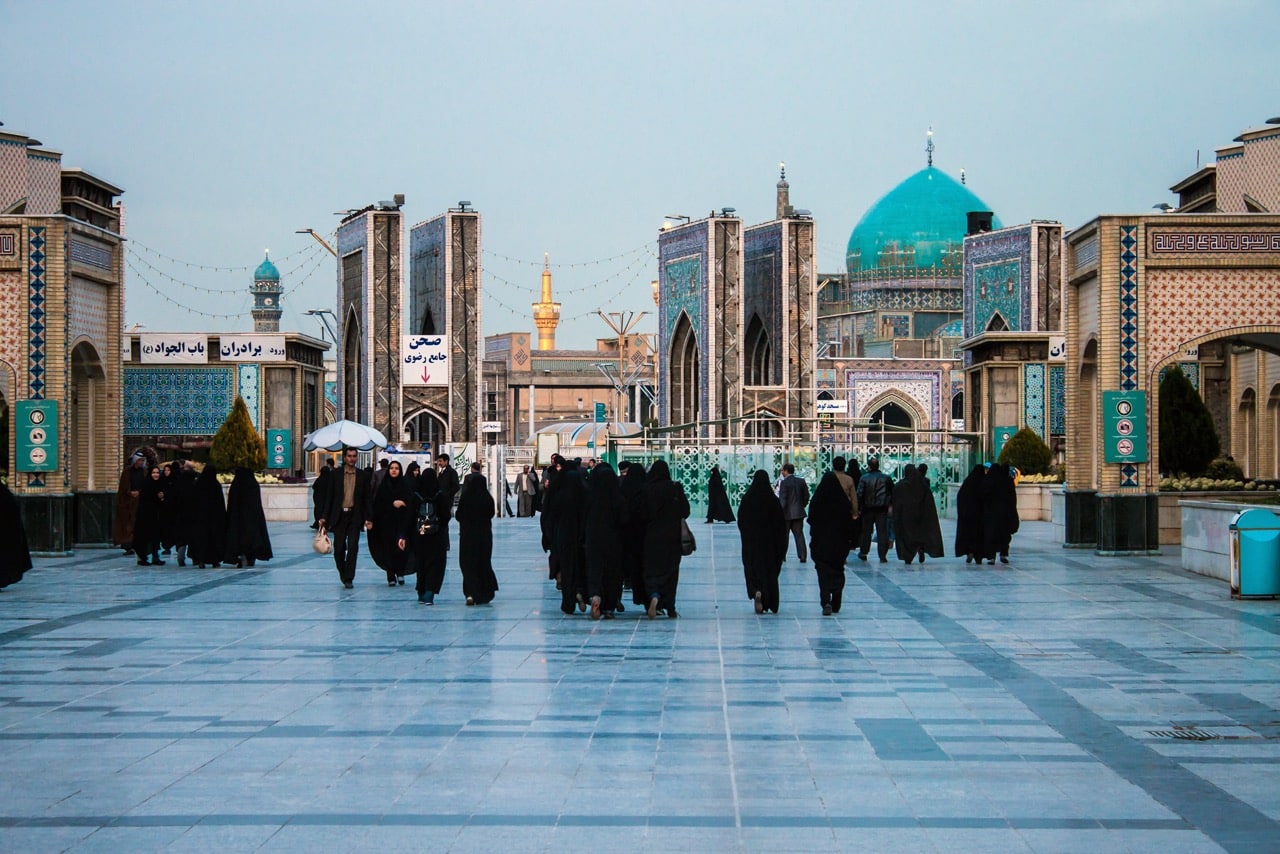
(575, 127)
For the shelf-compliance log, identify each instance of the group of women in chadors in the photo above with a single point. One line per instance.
(173, 509)
(986, 514)
(606, 530)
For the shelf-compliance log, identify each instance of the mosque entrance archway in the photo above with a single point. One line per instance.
(87, 405)
(889, 424)
(351, 368)
(685, 373)
(426, 427)
(759, 353)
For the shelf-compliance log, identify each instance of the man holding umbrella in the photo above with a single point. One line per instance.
(346, 513)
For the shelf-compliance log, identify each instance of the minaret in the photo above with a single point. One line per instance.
(546, 314)
(784, 192)
(266, 297)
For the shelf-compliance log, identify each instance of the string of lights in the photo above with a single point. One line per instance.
(572, 291)
(571, 265)
(219, 315)
(214, 267)
(308, 257)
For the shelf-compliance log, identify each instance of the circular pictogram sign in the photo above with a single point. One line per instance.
(1125, 447)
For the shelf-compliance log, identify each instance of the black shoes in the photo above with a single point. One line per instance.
(826, 610)
(759, 597)
(348, 585)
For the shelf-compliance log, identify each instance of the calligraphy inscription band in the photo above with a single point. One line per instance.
(1214, 241)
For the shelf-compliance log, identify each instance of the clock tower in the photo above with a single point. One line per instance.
(266, 297)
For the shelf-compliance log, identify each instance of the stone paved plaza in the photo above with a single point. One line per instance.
(1064, 703)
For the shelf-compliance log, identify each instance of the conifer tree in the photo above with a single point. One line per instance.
(236, 443)
(1026, 451)
(1188, 439)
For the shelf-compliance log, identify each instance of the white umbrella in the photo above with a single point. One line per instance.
(344, 434)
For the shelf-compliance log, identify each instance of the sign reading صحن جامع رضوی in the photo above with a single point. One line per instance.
(424, 361)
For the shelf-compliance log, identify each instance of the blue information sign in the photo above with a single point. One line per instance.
(36, 422)
(279, 449)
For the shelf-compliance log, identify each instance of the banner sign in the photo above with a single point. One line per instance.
(173, 348)
(251, 348)
(1000, 435)
(37, 426)
(424, 360)
(279, 449)
(1124, 426)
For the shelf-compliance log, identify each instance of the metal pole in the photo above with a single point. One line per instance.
(532, 423)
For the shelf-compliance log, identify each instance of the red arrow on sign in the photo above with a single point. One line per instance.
(426, 375)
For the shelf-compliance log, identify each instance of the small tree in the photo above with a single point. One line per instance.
(1188, 440)
(1026, 451)
(236, 443)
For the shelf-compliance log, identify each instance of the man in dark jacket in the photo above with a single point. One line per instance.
(793, 492)
(347, 512)
(875, 498)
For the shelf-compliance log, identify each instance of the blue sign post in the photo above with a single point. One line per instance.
(279, 449)
(36, 422)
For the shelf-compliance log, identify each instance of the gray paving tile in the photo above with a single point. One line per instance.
(944, 709)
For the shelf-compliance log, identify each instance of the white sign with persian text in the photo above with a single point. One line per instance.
(424, 360)
(832, 407)
(173, 348)
(1057, 348)
(251, 348)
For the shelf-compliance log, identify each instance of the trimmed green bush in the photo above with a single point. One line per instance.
(1225, 469)
(1188, 439)
(237, 444)
(1027, 452)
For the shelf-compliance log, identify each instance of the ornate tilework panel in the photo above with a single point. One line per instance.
(681, 253)
(899, 324)
(89, 312)
(1128, 307)
(177, 401)
(920, 386)
(247, 383)
(36, 316)
(995, 291)
(1057, 400)
(427, 286)
(1005, 283)
(13, 172)
(13, 319)
(1185, 304)
(1128, 475)
(44, 187)
(1033, 397)
(762, 259)
(91, 252)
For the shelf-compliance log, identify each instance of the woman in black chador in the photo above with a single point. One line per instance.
(393, 505)
(147, 526)
(181, 496)
(830, 533)
(15, 558)
(915, 517)
(209, 536)
(764, 541)
(569, 509)
(320, 493)
(631, 482)
(662, 504)
(718, 509)
(969, 538)
(999, 513)
(430, 550)
(607, 515)
(475, 540)
(247, 539)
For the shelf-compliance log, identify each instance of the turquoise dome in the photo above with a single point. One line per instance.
(266, 272)
(926, 212)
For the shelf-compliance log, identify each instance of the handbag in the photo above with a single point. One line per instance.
(322, 544)
(688, 545)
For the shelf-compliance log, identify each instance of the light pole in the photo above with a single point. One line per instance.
(323, 314)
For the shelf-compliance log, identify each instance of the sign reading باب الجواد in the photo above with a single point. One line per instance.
(36, 422)
(424, 360)
(1124, 426)
(279, 449)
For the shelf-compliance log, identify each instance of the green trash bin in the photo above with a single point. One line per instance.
(1255, 553)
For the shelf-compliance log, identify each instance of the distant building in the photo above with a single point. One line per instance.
(267, 292)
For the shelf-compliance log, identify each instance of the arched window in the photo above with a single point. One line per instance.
(891, 424)
(759, 353)
(685, 373)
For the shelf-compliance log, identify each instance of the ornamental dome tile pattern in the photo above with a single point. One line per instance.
(266, 272)
(916, 224)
